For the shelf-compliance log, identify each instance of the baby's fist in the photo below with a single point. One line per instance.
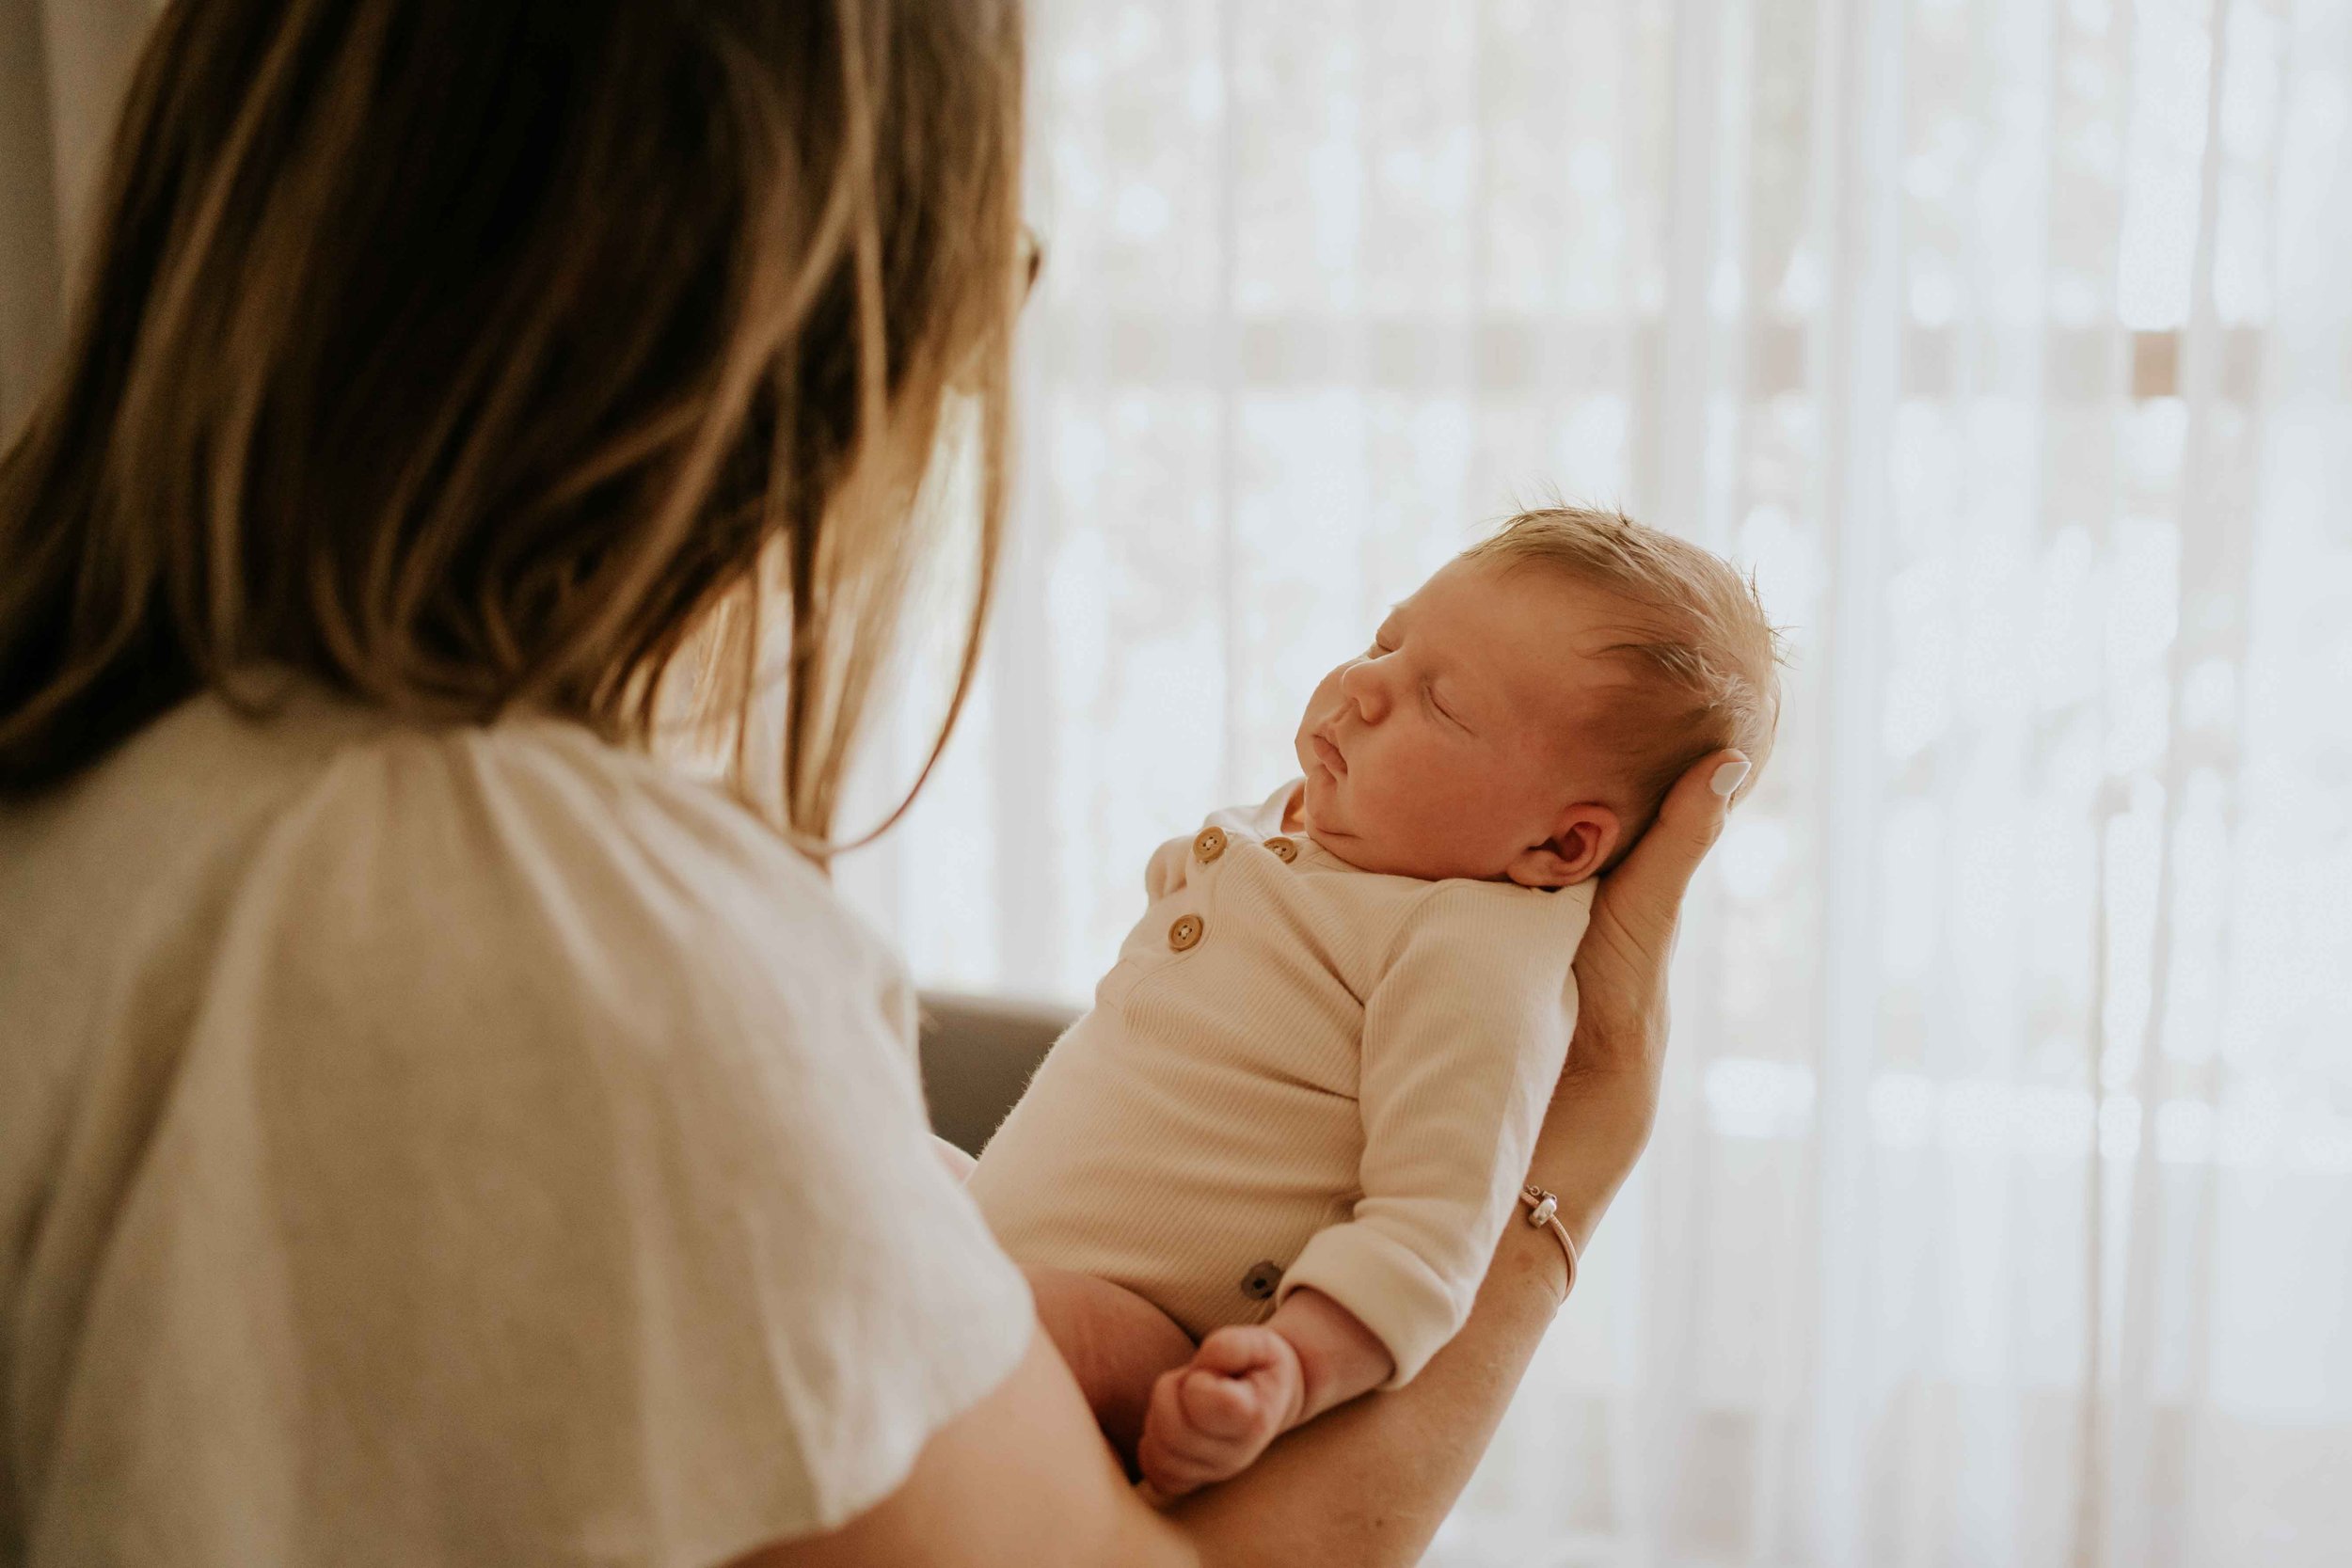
(1211, 1417)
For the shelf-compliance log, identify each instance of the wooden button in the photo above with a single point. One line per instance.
(1210, 845)
(1262, 1280)
(1283, 849)
(1185, 934)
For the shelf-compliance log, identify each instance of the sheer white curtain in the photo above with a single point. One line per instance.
(2001, 1208)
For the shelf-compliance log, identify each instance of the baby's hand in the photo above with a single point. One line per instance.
(1212, 1417)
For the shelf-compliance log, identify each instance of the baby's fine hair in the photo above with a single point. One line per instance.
(1697, 634)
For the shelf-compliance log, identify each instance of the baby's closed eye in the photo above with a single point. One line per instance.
(1436, 705)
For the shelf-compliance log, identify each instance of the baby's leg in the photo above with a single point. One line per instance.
(1117, 1344)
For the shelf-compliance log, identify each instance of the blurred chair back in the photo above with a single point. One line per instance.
(979, 1052)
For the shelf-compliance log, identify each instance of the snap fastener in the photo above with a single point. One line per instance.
(1185, 934)
(1210, 845)
(1262, 1280)
(1284, 850)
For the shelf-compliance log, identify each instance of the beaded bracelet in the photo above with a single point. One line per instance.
(1543, 1212)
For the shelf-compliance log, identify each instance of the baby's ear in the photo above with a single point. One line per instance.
(1584, 839)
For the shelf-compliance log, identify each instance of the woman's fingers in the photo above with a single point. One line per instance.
(1621, 964)
(1646, 889)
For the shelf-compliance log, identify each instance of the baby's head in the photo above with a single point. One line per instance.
(1522, 715)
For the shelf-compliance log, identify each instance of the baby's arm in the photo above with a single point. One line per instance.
(1249, 1384)
(1464, 1035)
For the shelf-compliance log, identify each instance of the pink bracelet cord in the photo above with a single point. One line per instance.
(1543, 1212)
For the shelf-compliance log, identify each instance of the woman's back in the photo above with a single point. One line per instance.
(337, 1048)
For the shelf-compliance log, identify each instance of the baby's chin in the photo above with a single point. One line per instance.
(1325, 820)
(1320, 816)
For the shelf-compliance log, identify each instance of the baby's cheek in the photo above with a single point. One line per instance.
(1419, 793)
(1449, 786)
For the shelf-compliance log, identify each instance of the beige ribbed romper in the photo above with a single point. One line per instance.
(1296, 1069)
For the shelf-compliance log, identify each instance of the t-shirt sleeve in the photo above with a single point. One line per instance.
(547, 1180)
(1465, 1033)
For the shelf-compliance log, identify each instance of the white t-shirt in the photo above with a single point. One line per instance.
(454, 1146)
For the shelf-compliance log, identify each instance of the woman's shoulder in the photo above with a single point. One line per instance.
(522, 867)
(535, 862)
(549, 791)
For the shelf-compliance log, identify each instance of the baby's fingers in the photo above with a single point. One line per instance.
(1175, 1456)
(1238, 1351)
(1218, 1408)
(1260, 1360)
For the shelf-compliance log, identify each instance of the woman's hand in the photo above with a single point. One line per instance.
(1600, 1115)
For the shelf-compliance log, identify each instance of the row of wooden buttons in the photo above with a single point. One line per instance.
(1213, 840)
(1186, 933)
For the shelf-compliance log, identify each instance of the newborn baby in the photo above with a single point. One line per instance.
(1298, 1115)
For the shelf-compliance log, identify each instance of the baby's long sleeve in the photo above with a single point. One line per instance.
(1466, 1029)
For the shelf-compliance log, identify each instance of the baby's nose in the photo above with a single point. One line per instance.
(1364, 686)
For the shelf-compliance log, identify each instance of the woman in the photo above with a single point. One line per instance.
(430, 1129)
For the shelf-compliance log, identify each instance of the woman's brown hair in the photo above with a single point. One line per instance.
(471, 356)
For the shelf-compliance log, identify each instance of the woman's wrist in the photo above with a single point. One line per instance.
(1583, 1154)
(1581, 1195)
(1530, 1262)
(1543, 1210)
